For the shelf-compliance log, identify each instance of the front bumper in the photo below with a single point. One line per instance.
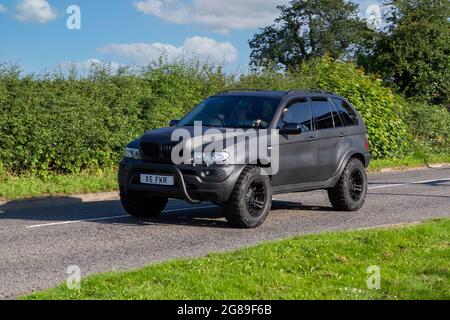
(191, 183)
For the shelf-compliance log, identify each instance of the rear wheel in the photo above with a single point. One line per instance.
(350, 192)
(141, 206)
(250, 200)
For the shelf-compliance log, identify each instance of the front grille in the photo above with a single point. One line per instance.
(166, 151)
(150, 149)
(156, 152)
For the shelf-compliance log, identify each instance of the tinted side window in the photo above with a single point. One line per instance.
(322, 112)
(346, 112)
(336, 117)
(300, 113)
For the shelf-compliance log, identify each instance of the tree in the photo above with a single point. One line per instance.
(413, 52)
(308, 29)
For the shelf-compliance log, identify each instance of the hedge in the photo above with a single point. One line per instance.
(54, 123)
(68, 123)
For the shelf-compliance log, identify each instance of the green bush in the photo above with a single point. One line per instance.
(175, 89)
(65, 124)
(68, 124)
(430, 125)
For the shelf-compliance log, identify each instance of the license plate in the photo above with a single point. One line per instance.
(157, 180)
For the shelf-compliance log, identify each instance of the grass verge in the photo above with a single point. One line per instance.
(410, 161)
(413, 261)
(12, 188)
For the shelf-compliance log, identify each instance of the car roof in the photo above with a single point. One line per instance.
(275, 94)
(253, 93)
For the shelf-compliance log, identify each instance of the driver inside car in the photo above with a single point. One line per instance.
(249, 116)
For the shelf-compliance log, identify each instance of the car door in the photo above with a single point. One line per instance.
(297, 152)
(330, 134)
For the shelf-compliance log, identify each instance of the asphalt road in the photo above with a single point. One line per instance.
(40, 239)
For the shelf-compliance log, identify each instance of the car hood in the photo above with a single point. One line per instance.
(164, 135)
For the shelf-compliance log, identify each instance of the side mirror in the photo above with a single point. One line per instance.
(291, 128)
(174, 123)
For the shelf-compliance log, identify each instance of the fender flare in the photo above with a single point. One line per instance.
(350, 154)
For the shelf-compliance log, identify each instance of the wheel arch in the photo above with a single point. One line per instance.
(350, 155)
(359, 156)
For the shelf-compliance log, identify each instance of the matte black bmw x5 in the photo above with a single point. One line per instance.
(322, 145)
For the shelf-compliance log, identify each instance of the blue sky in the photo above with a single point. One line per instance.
(34, 32)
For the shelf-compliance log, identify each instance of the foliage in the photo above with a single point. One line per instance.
(413, 53)
(411, 50)
(308, 29)
(430, 125)
(67, 124)
(175, 89)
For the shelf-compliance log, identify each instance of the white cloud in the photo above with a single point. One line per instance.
(204, 49)
(2, 8)
(35, 11)
(220, 16)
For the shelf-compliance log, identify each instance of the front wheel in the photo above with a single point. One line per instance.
(350, 192)
(250, 200)
(141, 206)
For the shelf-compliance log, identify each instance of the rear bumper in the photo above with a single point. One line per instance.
(367, 158)
(191, 183)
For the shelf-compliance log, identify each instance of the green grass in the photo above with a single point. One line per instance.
(414, 264)
(29, 186)
(409, 161)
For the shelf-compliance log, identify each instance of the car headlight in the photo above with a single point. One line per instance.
(211, 157)
(132, 153)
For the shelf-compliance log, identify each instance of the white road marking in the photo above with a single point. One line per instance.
(208, 207)
(108, 218)
(408, 183)
(75, 221)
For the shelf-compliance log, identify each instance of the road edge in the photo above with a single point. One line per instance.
(58, 199)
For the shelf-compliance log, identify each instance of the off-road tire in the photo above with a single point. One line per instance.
(342, 196)
(142, 206)
(236, 208)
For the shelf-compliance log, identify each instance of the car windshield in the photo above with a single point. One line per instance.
(233, 112)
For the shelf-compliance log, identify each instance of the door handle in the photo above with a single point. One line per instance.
(312, 139)
(342, 134)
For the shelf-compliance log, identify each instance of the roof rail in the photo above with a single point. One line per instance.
(241, 89)
(310, 91)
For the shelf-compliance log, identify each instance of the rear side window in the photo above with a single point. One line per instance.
(336, 117)
(346, 112)
(322, 112)
(299, 112)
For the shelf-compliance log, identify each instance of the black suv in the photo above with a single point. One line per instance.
(322, 145)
